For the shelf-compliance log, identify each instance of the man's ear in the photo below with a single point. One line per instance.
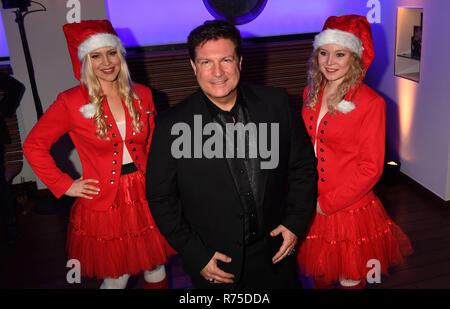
(240, 64)
(193, 67)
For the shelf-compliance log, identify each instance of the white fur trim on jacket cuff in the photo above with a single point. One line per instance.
(99, 40)
(345, 106)
(339, 37)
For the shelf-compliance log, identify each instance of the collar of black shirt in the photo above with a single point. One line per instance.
(214, 109)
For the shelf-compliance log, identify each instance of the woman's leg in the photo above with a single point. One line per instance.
(156, 278)
(115, 283)
(323, 285)
(352, 284)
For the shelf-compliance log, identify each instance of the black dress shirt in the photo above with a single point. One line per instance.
(244, 169)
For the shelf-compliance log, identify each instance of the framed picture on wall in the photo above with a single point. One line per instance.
(408, 47)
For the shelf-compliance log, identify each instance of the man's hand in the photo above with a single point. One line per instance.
(212, 271)
(288, 245)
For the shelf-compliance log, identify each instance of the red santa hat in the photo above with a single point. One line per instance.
(87, 36)
(349, 31)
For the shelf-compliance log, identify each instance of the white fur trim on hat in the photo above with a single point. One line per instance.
(339, 37)
(99, 40)
(345, 107)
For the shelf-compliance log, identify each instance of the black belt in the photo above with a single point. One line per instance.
(128, 168)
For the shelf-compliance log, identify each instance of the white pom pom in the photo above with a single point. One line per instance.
(89, 110)
(345, 106)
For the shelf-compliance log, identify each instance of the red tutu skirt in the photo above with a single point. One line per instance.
(121, 240)
(338, 246)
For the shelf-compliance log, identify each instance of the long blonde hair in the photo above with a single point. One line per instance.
(126, 92)
(316, 80)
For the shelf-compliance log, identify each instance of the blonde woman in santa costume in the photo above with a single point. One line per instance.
(346, 121)
(110, 121)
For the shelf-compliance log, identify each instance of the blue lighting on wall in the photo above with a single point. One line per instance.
(156, 22)
(161, 22)
(3, 45)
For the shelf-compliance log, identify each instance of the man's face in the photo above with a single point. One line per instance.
(218, 69)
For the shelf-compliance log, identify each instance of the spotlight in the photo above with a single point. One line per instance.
(391, 172)
(16, 4)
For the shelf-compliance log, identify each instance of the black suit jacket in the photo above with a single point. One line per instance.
(194, 201)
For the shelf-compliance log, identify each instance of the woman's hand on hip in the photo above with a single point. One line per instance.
(319, 210)
(81, 188)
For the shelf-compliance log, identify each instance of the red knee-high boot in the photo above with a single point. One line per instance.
(161, 285)
(321, 285)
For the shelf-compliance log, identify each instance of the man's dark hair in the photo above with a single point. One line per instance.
(214, 30)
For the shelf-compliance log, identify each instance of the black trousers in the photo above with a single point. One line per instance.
(258, 271)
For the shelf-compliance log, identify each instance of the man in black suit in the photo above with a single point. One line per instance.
(231, 173)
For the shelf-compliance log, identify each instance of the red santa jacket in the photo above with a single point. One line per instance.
(350, 150)
(100, 159)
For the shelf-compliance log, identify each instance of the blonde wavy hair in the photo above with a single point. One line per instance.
(125, 85)
(316, 80)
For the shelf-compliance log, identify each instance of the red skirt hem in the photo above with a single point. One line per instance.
(345, 245)
(121, 240)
